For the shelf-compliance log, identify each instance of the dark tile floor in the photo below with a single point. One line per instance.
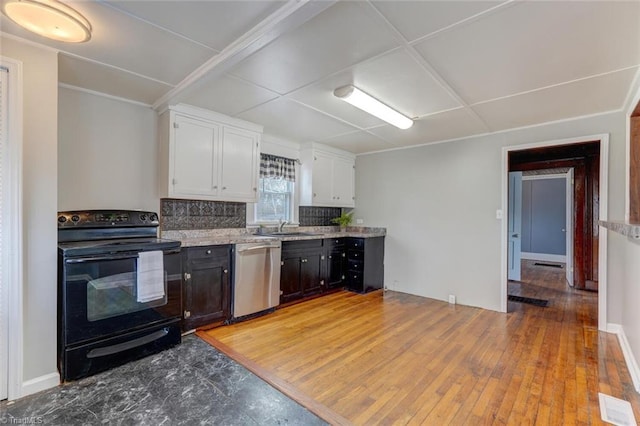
(192, 383)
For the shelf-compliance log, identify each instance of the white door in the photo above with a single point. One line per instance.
(515, 225)
(343, 182)
(239, 167)
(195, 145)
(322, 180)
(569, 228)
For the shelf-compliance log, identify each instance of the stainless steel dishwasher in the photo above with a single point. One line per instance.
(257, 278)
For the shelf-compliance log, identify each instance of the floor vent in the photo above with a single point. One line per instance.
(616, 411)
(529, 300)
(553, 265)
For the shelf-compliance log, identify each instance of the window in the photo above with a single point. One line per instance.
(275, 200)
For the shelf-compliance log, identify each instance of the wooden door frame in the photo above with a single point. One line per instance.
(584, 159)
(602, 212)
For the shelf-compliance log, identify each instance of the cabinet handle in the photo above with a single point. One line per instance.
(344, 254)
(208, 251)
(330, 257)
(255, 189)
(187, 276)
(215, 187)
(282, 263)
(314, 194)
(226, 271)
(224, 187)
(187, 314)
(321, 282)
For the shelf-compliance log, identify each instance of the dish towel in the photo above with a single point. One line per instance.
(150, 279)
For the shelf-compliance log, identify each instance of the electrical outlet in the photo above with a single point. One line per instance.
(452, 299)
(359, 221)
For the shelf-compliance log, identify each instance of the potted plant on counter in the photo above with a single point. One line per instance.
(343, 220)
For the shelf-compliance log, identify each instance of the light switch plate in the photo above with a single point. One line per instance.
(499, 214)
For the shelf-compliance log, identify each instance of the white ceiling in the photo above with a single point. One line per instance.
(458, 67)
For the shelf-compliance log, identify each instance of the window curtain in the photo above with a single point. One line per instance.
(272, 166)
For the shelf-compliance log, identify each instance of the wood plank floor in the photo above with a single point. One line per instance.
(392, 358)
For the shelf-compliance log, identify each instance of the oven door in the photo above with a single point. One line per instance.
(99, 295)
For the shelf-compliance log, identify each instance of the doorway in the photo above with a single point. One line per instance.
(587, 157)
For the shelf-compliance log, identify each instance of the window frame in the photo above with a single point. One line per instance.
(252, 208)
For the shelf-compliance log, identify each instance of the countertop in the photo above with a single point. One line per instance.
(210, 237)
(631, 230)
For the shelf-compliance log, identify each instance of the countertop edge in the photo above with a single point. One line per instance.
(627, 229)
(242, 239)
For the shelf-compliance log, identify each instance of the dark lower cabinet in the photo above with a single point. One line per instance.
(301, 273)
(206, 286)
(310, 267)
(335, 262)
(365, 264)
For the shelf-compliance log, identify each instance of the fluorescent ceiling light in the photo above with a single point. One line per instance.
(359, 99)
(49, 18)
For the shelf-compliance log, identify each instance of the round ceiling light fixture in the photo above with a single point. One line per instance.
(49, 18)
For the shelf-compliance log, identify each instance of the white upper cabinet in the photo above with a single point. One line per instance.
(327, 177)
(208, 156)
(240, 164)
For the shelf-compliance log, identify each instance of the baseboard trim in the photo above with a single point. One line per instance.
(629, 359)
(41, 383)
(544, 257)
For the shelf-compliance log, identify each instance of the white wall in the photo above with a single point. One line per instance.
(438, 203)
(40, 188)
(108, 153)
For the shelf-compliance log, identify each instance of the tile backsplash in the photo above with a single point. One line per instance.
(198, 214)
(318, 216)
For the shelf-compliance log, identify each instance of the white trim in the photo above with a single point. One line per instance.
(205, 114)
(15, 263)
(103, 95)
(41, 383)
(544, 257)
(604, 202)
(29, 42)
(630, 360)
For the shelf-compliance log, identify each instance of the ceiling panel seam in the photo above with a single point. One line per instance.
(272, 27)
(464, 21)
(102, 94)
(564, 83)
(153, 24)
(146, 77)
(427, 67)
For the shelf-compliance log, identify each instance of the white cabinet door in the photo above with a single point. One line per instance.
(322, 180)
(195, 146)
(343, 182)
(239, 167)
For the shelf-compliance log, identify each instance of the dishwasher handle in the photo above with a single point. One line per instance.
(261, 247)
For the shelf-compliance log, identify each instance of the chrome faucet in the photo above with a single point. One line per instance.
(281, 224)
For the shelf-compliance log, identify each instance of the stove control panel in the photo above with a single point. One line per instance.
(106, 219)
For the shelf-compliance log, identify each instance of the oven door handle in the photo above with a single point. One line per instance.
(121, 347)
(111, 257)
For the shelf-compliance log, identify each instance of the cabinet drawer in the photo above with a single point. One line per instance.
(355, 243)
(354, 278)
(355, 255)
(207, 252)
(301, 245)
(356, 265)
(334, 242)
